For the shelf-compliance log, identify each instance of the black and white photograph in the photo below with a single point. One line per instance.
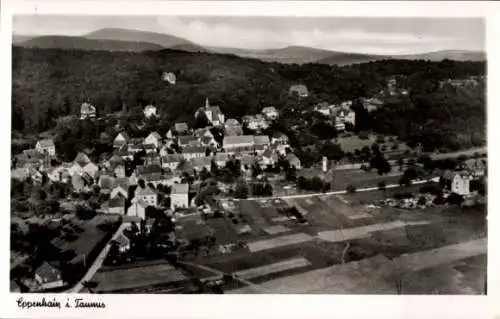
(190, 154)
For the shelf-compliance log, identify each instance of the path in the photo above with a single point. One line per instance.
(359, 190)
(97, 263)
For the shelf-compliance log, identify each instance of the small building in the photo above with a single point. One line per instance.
(91, 169)
(153, 139)
(457, 182)
(82, 159)
(201, 162)
(475, 166)
(121, 188)
(255, 122)
(179, 196)
(299, 90)
(268, 158)
(120, 140)
(119, 171)
(372, 104)
(46, 147)
(49, 276)
(87, 111)
(150, 111)
(221, 159)
(188, 140)
(270, 113)
(323, 108)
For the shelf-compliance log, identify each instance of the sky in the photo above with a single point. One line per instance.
(363, 35)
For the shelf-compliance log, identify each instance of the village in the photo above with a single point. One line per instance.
(176, 206)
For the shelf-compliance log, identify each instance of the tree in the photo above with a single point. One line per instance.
(204, 174)
(241, 190)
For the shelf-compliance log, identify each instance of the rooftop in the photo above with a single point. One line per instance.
(180, 189)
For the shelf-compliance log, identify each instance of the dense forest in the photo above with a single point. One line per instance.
(50, 84)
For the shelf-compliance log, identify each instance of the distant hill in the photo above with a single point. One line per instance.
(66, 43)
(21, 38)
(456, 55)
(164, 40)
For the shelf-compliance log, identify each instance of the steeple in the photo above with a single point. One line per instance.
(207, 103)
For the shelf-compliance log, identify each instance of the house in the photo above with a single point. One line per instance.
(203, 132)
(457, 182)
(87, 179)
(137, 209)
(293, 160)
(179, 196)
(188, 140)
(123, 243)
(171, 161)
(299, 90)
(150, 149)
(87, 111)
(121, 188)
(120, 140)
(155, 179)
(232, 127)
(221, 159)
(270, 113)
(59, 174)
(213, 114)
(46, 147)
(91, 169)
(82, 159)
(323, 108)
(190, 152)
(255, 122)
(49, 276)
(268, 158)
(280, 139)
(153, 139)
(147, 195)
(115, 205)
(181, 128)
(152, 159)
(148, 169)
(350, 117)
(201, 162)
(150, 110)
(372, 104)
(208, 141)
(475, 166)
(135, 146)
(77, 183)
(339, 125)
(75, 169)
(233, 144)
(119, 170)
(106, 183)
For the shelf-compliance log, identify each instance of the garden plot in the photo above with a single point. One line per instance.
(279, 242)
(276, 229)
(273, 268)
(363, 231)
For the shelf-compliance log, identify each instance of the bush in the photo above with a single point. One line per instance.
(431, 189)
(404, 195)
(351, 189)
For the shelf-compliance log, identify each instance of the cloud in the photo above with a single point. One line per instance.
(342, 39)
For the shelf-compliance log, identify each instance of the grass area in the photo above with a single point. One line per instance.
(362, 179)
(352, 143)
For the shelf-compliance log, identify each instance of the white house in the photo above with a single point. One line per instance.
(119, 190)
(120, 140)
(270, 113)
(213, 114)
(46, 146)
(150, 110)
(87, 111)
(350, 117)
(461, 184)
(153, 139)
(179, 196)
(91, 169)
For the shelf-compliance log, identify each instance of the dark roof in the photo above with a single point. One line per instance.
(184, 140)
(48, 272)
(149, 169)
(193, 149)
(116, 202)
(46, 143)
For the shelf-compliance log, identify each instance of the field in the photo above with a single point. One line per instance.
(361, 179)
(346, 249)
(136, 277)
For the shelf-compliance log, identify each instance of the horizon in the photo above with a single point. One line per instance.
(354, 35)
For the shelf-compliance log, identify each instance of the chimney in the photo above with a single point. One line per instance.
(207, 103)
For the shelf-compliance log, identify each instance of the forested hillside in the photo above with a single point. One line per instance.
(49, 83)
